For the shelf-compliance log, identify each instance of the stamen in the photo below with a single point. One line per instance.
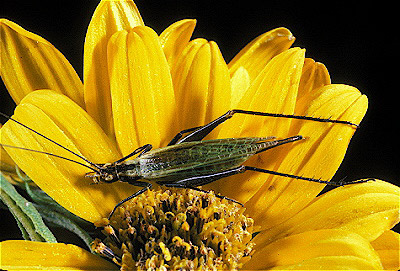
(177, 229)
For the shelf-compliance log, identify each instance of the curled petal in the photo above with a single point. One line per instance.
(143, 99)
(314, 75)
(29, 63)
(175, 38)
(202, 84)
(254, 56)
(108, 18)
(63, 121)
(307, 249)
(388, 248)
(273, 91)
(23, 255)
(368, 209)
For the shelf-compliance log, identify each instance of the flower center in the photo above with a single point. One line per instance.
(177, 229)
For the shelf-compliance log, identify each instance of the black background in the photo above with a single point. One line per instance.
(357, 43)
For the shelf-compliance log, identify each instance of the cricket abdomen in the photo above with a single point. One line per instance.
(191, 159)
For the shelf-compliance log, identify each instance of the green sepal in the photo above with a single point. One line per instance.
(62, 221)
(56, 215)
(29, 220)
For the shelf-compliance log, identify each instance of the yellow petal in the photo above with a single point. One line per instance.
(108, 18)
(6, 163)
(314, 75)
(309, 248)
(273, 91)
(388, 248)
(29, 62)
(318, 156)
(331, 263)
(240, 82)
(142, 93)
(175, 38)
(368, 209)
(202, 84)
(19, 254)
(261, 50)
(60, 119)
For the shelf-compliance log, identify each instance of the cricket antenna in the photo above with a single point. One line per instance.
(55, 155)
(45, 137)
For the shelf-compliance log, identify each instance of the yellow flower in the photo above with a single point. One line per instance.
(143, 88)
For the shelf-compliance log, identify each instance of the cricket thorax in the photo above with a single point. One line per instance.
(110, 172)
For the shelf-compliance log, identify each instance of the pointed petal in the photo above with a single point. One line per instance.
(318, 156)
(108, 18)
(261, 50)
(20, 254)
(202, 84)
(388, 248)
(368, 209)
(312, 247)
(29, 62)
(143, 99)
(175, 38)
(273, 91)
(60, 119)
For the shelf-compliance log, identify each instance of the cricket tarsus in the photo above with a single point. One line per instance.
(188, 161)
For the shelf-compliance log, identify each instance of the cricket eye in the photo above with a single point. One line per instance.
(109, 178)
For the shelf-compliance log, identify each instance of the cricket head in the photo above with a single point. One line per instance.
(106, 173)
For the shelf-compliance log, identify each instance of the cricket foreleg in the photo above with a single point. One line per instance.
(136, 183)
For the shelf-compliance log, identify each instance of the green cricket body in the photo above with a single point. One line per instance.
(190, 159)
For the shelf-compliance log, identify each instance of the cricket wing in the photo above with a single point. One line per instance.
(201, 157)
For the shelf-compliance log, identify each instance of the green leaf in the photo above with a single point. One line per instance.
(29, 219)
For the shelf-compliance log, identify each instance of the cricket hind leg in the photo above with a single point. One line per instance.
(198, 133)
(179, 135)
(143, 149)
(332, 183)
(193, 182)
